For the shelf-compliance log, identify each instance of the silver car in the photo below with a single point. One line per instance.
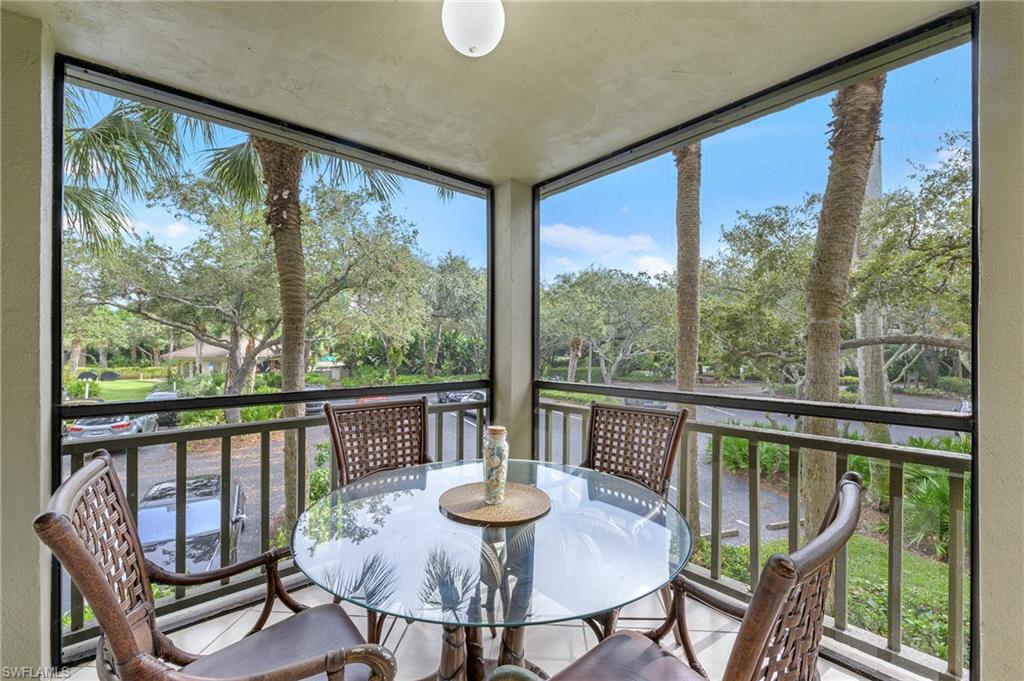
(95, 427)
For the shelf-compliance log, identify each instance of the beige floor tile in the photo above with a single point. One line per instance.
(832, 672)
(712, 648)
(196, 638)
(649, 607)
(241, 626)
(84, 672)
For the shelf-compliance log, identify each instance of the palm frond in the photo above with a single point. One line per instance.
(97, 216)
(237, 170)
(381, 184)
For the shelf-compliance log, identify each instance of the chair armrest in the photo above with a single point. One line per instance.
(379, 659)
(708, 597)
(268, 560)
(510, 672)
(161, 576)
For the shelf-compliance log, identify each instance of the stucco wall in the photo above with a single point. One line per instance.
(1001, 340)
(25, 104)
(513, 334)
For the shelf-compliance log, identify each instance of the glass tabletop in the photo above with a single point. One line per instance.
(382, 543)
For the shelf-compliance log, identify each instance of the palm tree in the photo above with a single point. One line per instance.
(261, 169)
(856, 115)
(688, 298)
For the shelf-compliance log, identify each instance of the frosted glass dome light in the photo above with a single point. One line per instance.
(473, 27)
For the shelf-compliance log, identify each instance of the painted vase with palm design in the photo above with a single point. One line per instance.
(495, 464)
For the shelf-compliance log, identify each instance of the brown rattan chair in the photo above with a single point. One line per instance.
(90, 529)
(779, 634)
(633, 443)
(367, 438)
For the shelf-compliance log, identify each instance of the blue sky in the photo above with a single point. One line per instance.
(627, 219)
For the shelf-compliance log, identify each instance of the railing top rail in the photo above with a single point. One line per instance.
(940, 420)
(174, 435)
(952, 461)
(229, 401)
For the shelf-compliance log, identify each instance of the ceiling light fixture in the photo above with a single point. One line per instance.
(473, 27)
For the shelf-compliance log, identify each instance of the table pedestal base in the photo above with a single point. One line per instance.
(462, 654)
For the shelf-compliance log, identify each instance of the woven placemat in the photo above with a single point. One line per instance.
(522, 504)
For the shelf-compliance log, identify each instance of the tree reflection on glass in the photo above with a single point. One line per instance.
(373, 582)
(447, 585)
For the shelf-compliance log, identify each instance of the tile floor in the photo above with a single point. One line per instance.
(417, 646)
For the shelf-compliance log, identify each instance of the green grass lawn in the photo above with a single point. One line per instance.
(125, 389)
(924, 588)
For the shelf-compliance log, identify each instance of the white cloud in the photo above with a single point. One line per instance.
(596, 244)
(176, 230)
(652, 264)
(585, 247)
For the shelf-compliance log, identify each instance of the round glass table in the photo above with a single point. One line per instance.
(382, 543)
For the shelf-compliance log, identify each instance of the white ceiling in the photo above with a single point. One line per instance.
(568, 83)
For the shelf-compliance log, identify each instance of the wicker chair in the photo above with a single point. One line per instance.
(633, 443)
(779, 634)
(377, 437)
(89, 527)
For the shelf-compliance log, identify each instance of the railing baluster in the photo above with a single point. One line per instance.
(683, 478)
(303, 470)
(439, 436)
(565, 438)
(480, 432)
(716, 506)
(584, 430)
(754, 509)
(894, 606)
(226, 507)
(955, 557)
(794, 498)
(841, 581)
(181, 506)
(460, 434)
(264, 490)
(548, 455)
(131, 474)
(77, 601)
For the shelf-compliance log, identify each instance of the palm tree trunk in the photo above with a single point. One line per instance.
(872, 375)
(575, 352)
(688, 174)
(75, 358)
(282, 173)
(857, 111)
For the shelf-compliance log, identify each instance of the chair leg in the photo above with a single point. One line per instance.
(666, 599)
(684, 633)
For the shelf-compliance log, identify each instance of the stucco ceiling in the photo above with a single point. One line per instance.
(568, 83)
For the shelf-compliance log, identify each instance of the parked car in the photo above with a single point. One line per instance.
(158, 513)
(109, 376)
(93, 427)
(165, 418)
(462, 396)
(646, 404)
(88, 376)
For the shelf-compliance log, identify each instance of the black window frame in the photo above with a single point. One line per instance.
(955, 28)
(72, 70)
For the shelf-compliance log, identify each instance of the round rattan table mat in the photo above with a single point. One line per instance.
(522, 504)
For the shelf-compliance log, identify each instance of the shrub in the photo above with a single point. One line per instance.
(201, 417)
(961, 387)
(320, 478)
(773, 457)
(76, 388)
(926, 496)
(849, 381)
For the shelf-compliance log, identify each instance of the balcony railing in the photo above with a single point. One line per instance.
(448, 440)
(561, 437)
